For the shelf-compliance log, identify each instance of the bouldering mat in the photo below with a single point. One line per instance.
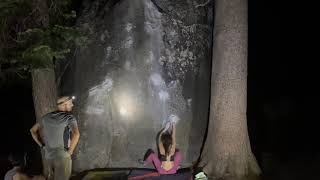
(149, 174)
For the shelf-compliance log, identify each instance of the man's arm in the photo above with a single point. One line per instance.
(35, 134)
(74, 139)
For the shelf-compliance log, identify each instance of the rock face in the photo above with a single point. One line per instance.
(146, 60)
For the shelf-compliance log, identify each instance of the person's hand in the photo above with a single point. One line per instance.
(70, 152)
(174, 119)
(167, 126)
(173, 123)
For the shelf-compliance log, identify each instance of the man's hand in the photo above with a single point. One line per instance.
(74, 139)
(35, 134)
(70, 152)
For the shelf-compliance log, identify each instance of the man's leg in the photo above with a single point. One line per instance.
(48, 167)
(62, 169)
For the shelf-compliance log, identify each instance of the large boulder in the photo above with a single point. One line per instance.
(145, 60)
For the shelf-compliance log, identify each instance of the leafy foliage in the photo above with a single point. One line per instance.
(25, 45)
(13, 7)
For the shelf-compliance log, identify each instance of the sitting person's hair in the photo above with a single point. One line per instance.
(16, 159)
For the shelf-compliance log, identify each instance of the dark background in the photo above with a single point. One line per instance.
(17, 117)
(283, 90)
(283, 94)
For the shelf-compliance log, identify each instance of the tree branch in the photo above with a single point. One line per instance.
(203, 4)
(11, 70)
(65, 68)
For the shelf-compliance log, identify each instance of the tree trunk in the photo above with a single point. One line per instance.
(43, 80)
(44, 91)
(44, 88)
(44, 97)
(227, 153)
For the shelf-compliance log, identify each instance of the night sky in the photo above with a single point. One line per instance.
(283, 90)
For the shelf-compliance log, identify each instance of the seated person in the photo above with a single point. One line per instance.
(169, 158)
(16, 173)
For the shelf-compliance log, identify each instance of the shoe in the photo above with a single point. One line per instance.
(141, 161)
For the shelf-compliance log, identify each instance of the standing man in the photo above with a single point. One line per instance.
(52, 133)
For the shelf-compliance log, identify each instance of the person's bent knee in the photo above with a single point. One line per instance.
(178, 154)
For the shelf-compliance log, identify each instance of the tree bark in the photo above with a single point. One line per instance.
(44, 91)
(43, 79)
(44, 98)
(44, 88)
(227, 153)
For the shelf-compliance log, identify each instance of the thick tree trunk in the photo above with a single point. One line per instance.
(227, 152)
(44, 88)
(44, 97)
(43, 80)
(44, 91)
